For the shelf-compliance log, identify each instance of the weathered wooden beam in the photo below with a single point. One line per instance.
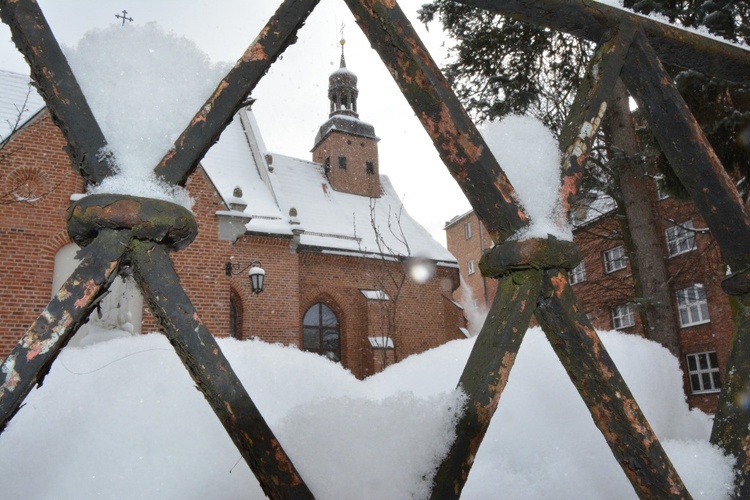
(454, 135)
(689, 153)
(57, 84)
(732, 420)
(207, 125)
(213, 375)
(588, 109)
(30, 361)
(590, 20)
(486, 374)
(463, 150)
(613, 408)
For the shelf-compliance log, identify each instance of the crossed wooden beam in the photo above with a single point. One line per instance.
(532, 275)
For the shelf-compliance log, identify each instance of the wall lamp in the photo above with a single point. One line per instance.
(256, 273)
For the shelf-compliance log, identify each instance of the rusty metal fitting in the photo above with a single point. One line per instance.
(534, 253)
(160, 221)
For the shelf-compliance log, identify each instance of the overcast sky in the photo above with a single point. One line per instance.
(292, 99)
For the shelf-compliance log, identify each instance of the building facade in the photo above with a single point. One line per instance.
(603, 283)
(336, 283)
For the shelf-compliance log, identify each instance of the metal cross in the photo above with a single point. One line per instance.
(124, 17)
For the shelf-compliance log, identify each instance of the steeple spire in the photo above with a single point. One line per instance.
(342, 64)
(342, 89)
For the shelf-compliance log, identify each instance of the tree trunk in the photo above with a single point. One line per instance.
(642, 239)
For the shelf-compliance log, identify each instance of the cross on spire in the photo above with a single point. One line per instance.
(124, 17)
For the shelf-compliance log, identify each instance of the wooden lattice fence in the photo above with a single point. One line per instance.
(119, 232)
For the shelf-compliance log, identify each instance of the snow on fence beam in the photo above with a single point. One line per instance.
(461, 147)
(590, 20)
(232, 92)
(57, 84)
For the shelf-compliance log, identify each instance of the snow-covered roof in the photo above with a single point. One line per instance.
(19, 101)
(288, 196)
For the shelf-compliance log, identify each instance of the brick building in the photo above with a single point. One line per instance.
(604, 284)
(338, 280)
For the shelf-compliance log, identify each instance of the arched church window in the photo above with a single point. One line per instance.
(321, 333)
(235, 315)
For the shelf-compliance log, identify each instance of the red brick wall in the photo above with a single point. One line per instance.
(272, 315)
(470, 249)
(31, 233)
(337, 281)
(600, 292)
(357, 151)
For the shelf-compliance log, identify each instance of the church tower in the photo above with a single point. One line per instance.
(345, 145)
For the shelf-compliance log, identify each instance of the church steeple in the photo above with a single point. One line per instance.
(346, 146)
(342, 89)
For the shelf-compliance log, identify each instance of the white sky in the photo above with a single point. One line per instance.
(292, 99)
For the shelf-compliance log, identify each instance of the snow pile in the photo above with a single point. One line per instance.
(143, 86)
(121, 419)
(528, 154)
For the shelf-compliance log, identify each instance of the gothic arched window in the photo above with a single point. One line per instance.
(320, 332)
(235, 315)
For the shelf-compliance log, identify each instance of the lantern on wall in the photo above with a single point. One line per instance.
(256, 274)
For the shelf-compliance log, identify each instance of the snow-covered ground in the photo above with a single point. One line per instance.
(120, 418)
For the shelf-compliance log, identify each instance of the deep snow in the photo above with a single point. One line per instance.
(121, 419)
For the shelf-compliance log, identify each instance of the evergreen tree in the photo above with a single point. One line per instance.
(501, 66)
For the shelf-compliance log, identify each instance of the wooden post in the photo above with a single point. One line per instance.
(30, 361)
(486, 374)
(232, 92)
(464, 153)
(212, 373)
(56, 83)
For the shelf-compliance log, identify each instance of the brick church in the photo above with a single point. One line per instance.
(348, 273)
(603, 282)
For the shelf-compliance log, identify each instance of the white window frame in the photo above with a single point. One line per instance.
(615, 259)
(623, 316)
(577, 274)
(467, 230)
(680, 239)
(704, 372)
(472, 269)
(692, 305)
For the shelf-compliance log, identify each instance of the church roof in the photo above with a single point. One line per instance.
(19, 101)
(286, 196)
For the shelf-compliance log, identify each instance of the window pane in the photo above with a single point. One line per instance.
(706, 379)
(703, 360)
(691, 363)
(329, 317)
(312, 316)
(311, 339)
(331, 339)
(695, 383)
